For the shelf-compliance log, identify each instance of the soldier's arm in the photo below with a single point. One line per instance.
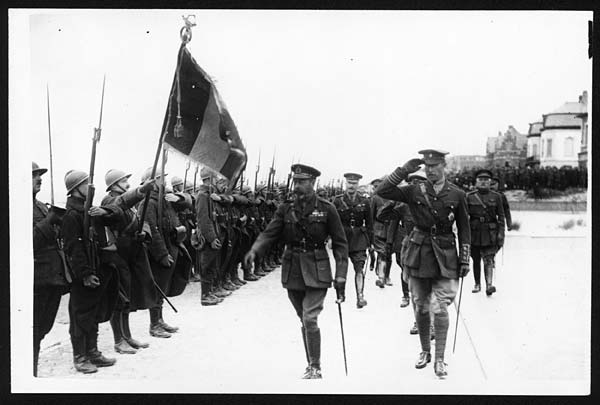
(339, 245)
(388, 187)
(158, 248)
(130, 198)
(75, 248)
(43, 234)
(391, 231)
(203, 218)
(501, 216)
(271, 233)
(369, 222)
(506, 209)
(464, 229)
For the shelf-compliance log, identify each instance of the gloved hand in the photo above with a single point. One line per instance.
(170, 197)
(413, 165)
(216, 244)
(147, 186)
(140, 236)
(340, 291)
(97, 212)
(91, 281)
(167, 261)
(249, 258)
(463, 270)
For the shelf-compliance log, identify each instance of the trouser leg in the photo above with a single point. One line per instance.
(476, 256)
(443, 294)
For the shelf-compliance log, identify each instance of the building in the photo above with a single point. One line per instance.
(533, 143)
(582, 156)
(459, 162)
(509, 148)
(561, 135)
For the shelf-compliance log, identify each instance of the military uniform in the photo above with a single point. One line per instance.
(380, 237)
(354, 212)
(50, 273)
(303, 225)
(486, 216)
(430, 253)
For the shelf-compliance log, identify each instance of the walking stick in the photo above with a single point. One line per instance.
(343, 340)
(457, 313)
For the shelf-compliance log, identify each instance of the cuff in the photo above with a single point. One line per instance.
(465, 253)
(397, 176)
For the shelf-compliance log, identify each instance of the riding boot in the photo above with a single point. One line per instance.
(379, 269)
(359, 280)
(80, 360)
(127, 333)
(93, 354)
(121, 345)
(307, 371)
(488, 270)
(441, 322)
(386, 271)
(313, 342)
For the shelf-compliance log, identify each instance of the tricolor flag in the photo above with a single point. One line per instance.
(205, 132)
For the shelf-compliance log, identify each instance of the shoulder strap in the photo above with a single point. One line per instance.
(476, 195)
(431, 210)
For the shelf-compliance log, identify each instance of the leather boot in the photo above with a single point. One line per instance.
(208, 300)
(313, 343)
(220, 292)
(379, 269)
(248, 276)
(80, 361)
(307, 371)
(260, 270)
(239, 282)
(424, 358)
(386, 272)
(163, 324)
(155, 329)
(127, 333)
(94, 355)
(360, 284)
(405, 302)
(476, 288)
(229, 286)
(439, 367)
(414, 330)
(121, 346)
(488, 271)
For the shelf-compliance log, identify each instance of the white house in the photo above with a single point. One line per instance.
(533, 143)
(561, 134)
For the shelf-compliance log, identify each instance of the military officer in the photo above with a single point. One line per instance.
(177, 184)
(430, 256)
(380, 230)
(505, 206)
(354, 211)
(51, 276)
(303, 225)
(486, 216)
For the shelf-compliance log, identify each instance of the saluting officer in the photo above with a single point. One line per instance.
(51, 277)
(354, 211)
(303, 225)
(430, 255)
(486, 216)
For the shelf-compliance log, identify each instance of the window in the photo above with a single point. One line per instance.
(549, 148)
(534, 149)
(542, 150)
(569, 150)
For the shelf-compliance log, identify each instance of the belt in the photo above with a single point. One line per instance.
(304, 246)
(434, 230)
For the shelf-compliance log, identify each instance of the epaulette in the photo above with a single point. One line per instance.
(323, 200)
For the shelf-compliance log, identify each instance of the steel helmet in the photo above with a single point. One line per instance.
(74, 178)
(36, 169)
(113, 176)
(176, 181)
(148, 172)
(205, 173)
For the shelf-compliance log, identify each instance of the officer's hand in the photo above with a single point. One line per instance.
(97, 212)
(413, 165)
(91, 281)
(140, 236)
(463, 270)
(509, 228)
(54, 218)
(216, 244)
(170, 197)
(147, 186)
(249, 258)
(340, 291)
(167, 261)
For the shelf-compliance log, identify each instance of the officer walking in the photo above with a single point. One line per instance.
(50, 273)
(430, 256)
(380, 231)
(303, 225)
(354, 212)
(486, 215)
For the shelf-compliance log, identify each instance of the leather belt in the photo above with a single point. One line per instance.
(434, 230)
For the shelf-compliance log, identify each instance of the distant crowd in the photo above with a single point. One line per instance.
(527, 178)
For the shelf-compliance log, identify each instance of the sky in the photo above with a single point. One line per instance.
(358, 91)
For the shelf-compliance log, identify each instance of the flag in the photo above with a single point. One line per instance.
(205, 131)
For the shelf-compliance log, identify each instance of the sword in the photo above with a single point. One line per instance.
(343, 340)
(457, 314)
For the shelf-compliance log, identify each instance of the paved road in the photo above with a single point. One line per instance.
(532, 336)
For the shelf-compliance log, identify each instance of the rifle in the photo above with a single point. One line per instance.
(187, 167)
(242, 180)
(195, 176)
(88, 231)
(256, 173)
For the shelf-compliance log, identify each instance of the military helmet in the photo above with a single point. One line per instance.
(205, 173)
(176, 181)
(148, 172)
(74, 178)
(113, 176)
(36, 169)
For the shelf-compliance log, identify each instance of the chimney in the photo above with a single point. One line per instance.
(583, 98)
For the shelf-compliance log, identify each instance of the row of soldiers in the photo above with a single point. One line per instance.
(526, 178)
(112, 264)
